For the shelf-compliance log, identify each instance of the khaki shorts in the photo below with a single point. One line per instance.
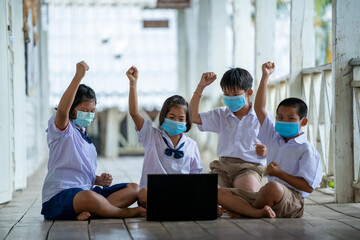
(229, 169)
(290, 206)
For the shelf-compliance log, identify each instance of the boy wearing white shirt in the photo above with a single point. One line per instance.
(294, 166)
(241, 155)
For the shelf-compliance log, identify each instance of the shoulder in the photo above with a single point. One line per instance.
(306, 149)
(190, 142)
(218, 111)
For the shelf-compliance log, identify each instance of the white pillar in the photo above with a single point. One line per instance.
(265, 17)
(112, 131)
(243, 40)
(302, 42)
(218, 55)
(20, 166)
(345, 40)
(5, 176)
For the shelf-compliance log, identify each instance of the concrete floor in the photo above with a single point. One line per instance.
(323, 219)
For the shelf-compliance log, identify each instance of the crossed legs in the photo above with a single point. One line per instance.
(268, 196)
(89, 202)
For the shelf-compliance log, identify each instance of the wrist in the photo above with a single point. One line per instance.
(265, 77)
(78, 77)
(199, 89)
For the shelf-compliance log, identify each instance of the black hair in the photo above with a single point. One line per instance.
(297, 103)
(84, 93)
(236, 78)
(175, 100)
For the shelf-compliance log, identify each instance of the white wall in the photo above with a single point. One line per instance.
(23, 119)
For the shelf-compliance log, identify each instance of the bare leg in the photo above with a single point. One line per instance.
(239, 206)
(269, 195)
(248, 183)
(89, 201)
(142, 196)
(124, 197)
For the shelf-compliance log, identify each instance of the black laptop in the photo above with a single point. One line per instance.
(182, 197)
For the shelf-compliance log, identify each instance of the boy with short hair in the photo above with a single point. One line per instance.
(294, 167)
(241, 154)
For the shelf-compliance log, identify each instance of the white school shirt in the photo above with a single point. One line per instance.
(236, 137)
(297, 157)
(155, 159)
(72, 161)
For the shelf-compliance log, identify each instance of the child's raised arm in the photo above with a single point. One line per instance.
(67, 99)
(132, 75)
(260, 100)
(206, 79)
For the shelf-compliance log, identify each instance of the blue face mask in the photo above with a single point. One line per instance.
(84, 119)
(173, 127)
(234, 103)
(287, 129)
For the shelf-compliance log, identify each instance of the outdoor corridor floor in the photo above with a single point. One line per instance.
(323, 219)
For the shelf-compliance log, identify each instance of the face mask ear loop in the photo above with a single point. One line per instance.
(300, 124)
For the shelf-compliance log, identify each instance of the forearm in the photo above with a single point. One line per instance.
(134, 108)
(69, 95)
(133, 101)
(62, 114)
(296, 182)
(194, 105)
(260, 100)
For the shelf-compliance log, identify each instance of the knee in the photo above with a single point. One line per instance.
(142, 195)
(86, 198)
(274, 190)
(133, 186)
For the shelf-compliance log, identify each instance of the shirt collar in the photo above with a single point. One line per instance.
(228, 112)
(302, 138)
(182, 139)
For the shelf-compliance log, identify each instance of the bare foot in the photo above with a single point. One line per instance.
(139, 211)
(83, 216)
(268, 212)
(220, 211)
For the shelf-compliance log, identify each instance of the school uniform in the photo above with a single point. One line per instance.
(161, 157)
(236, 148)
(71, 169)
(298, 158)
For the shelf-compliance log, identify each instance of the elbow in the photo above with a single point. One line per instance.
(195, 119)
(309, 190)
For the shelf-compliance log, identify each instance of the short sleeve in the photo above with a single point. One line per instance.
(267, 131)
(310, 167)
(196, 166)
(53, 133)
(146, 135)
(210, 121)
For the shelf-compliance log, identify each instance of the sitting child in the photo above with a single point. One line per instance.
(68, 191)
(241, 154)
(294, 167)
(168, 150)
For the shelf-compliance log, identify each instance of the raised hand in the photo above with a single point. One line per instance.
(260, 149)
(207, 79)
(268, 68)
(81, 69)
(132, 75)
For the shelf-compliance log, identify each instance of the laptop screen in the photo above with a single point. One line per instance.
(179, 197)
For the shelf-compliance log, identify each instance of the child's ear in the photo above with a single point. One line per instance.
(304, 122)
(249, 93)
